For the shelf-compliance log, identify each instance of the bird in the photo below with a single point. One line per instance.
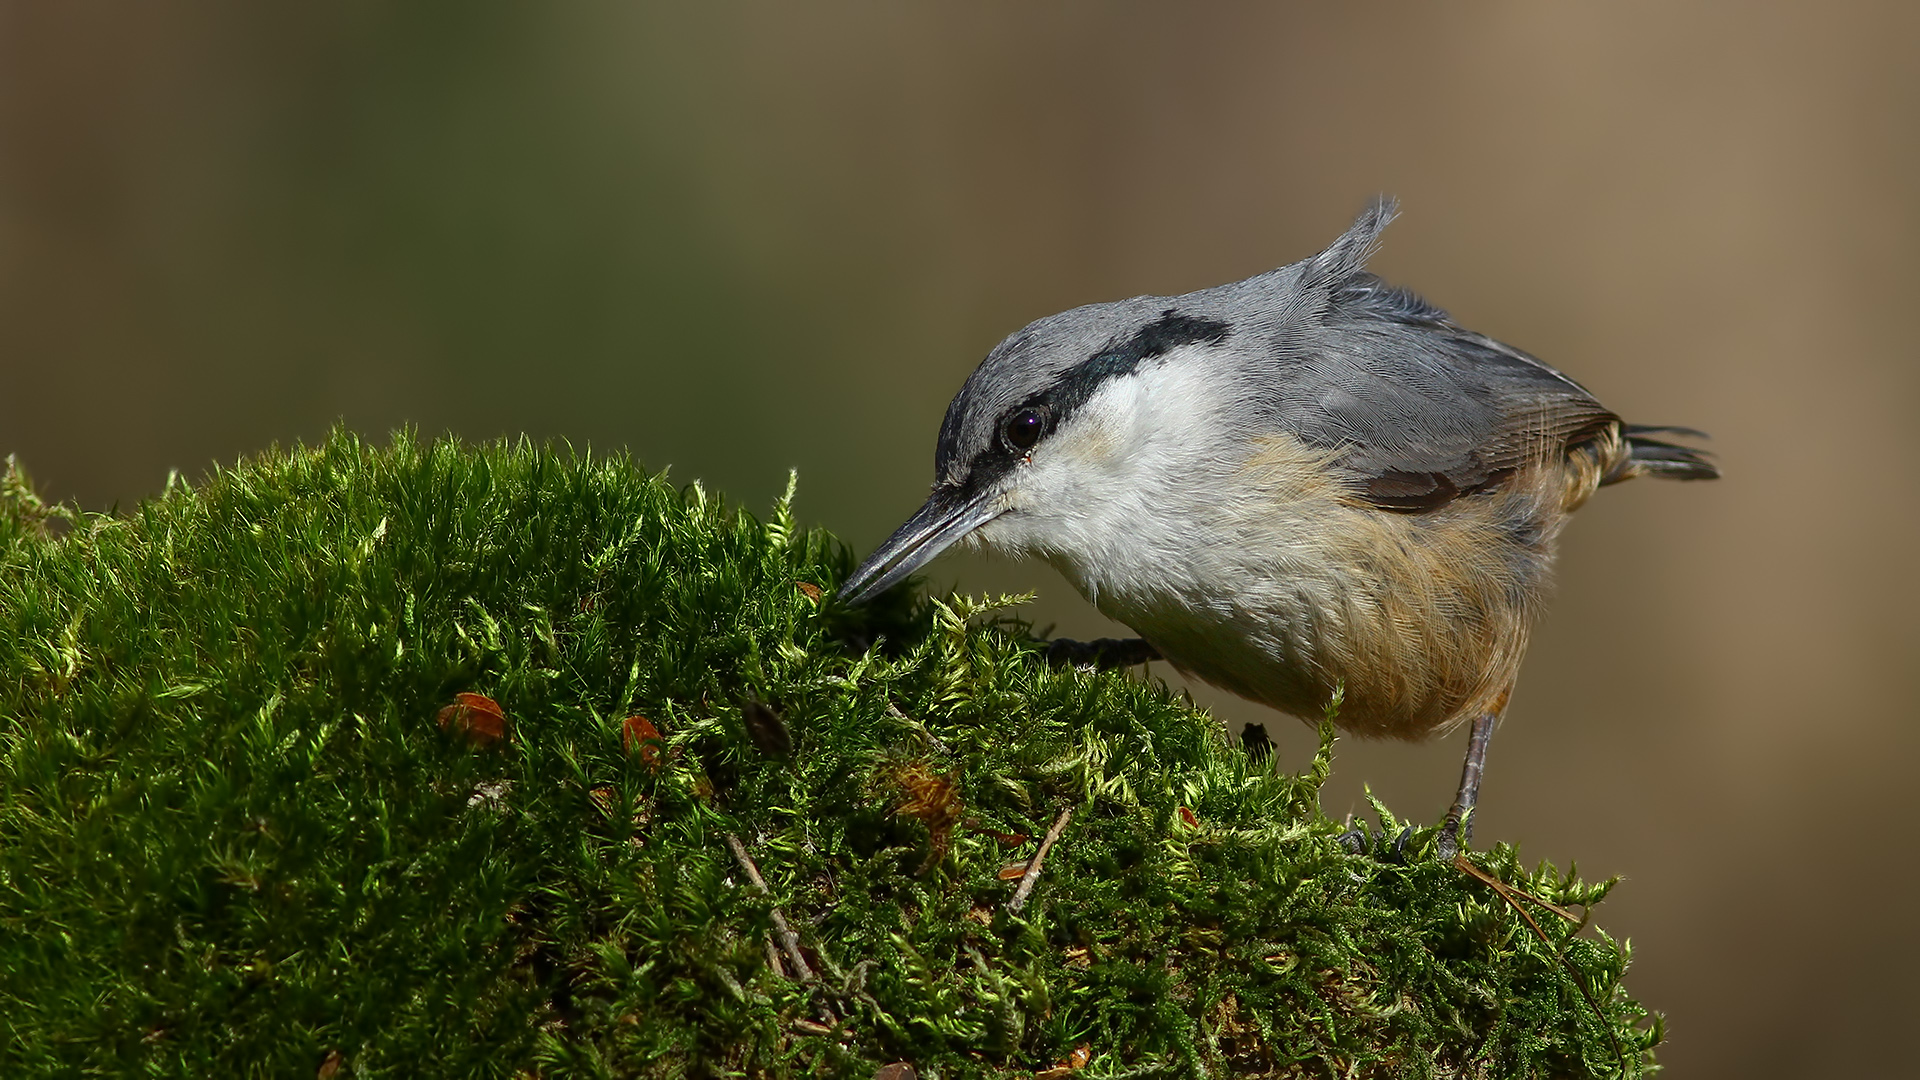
(1305, 484)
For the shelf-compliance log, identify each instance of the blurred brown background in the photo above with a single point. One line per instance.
(738, 239)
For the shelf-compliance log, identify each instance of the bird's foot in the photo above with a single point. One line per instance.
(1359, 840)
(1101, 654)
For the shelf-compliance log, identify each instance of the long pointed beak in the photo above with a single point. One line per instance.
(947, 516)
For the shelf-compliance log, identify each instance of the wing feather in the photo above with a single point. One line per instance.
(1428, 411)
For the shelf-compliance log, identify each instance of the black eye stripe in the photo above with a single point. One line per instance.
(1119, 358)
(1071, 389)
(1026, 425)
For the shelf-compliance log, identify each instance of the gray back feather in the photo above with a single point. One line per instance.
(1327, 352)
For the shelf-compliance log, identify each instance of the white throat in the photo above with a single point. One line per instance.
(1117, 499)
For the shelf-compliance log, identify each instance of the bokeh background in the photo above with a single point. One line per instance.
(738, 239)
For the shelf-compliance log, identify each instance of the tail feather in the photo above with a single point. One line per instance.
(1630, 430)
(1656, 457)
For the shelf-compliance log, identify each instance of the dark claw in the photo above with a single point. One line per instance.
(1455, 834)
(1400, 844)
(1101, 654)
(1395, 850)
(1358, 841)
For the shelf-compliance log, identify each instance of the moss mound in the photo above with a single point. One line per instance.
(243, 832)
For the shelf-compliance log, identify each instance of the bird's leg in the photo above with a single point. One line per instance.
(1457, 831)
(1102, 654)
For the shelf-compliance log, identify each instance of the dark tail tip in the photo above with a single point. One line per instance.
(1656, 457)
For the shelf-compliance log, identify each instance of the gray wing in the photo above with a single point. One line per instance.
(1429, 411)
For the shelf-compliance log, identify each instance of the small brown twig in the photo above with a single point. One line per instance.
(789, 941)
(1461, 863)
(1513, 897)
(808, 1027)
(1033, 868)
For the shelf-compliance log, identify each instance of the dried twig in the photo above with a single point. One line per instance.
(1033, 868)
(808, 1027)
(1513, 896)
(789, 941)
(1461, 863)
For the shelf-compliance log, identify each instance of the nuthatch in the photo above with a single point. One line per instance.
(1303, 483)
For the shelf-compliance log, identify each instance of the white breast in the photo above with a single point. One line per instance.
(1242, 556)
(1173, 522)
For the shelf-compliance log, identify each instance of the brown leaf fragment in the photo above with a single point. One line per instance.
(476, 718)
(641, 738)
(603, 798)
(1186, 816)
(329, 1066)
(809, 590)
(1013, 871)
(898, 1070)
(1004, 839)
(1066, 1065)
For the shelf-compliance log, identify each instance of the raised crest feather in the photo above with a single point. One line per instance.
(1348, 255)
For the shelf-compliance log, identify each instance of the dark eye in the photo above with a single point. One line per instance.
(1024, 428)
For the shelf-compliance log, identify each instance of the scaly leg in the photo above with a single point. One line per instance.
(1457, 831)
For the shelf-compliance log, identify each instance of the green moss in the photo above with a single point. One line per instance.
(234, 839)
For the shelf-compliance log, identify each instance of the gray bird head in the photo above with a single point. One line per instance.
(1045, 444)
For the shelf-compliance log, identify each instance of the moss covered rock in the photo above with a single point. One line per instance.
(692, 819)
